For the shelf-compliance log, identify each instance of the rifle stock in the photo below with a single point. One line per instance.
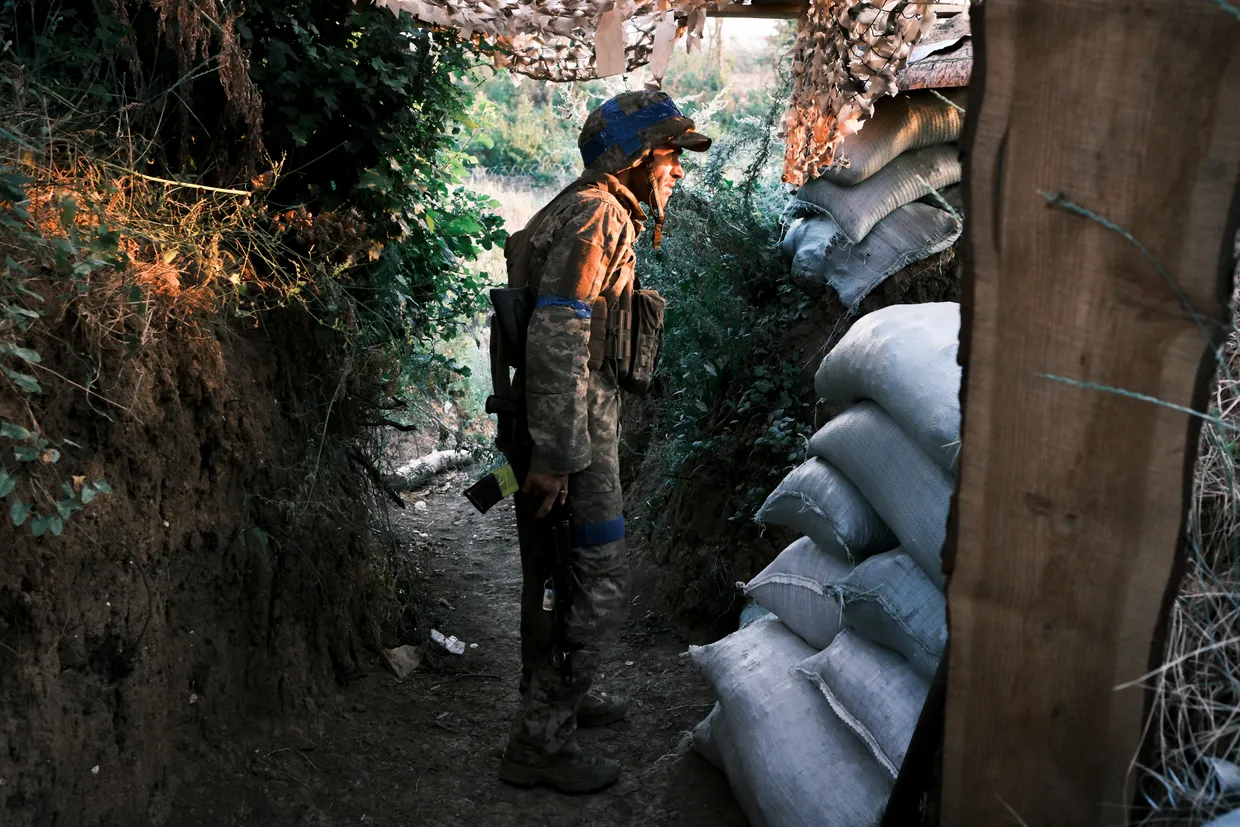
(513, 308)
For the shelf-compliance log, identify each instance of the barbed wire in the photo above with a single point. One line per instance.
(528, 169)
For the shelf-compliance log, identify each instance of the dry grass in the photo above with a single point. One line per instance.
(518, 201)
(1196, 714)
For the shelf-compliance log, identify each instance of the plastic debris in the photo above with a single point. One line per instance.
(449, 643)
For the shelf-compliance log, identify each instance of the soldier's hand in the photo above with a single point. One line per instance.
(549, 487)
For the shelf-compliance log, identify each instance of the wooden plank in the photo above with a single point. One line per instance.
(1071, 501)
(768, 11)
(942, 70)
(791, 11)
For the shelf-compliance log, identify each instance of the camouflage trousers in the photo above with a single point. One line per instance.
(547, 718)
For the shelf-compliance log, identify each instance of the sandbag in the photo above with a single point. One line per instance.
(907, 489)
(906, 179)
(804, 767)
(818, 501)
(910, 234)
(904, 358)
(889, 600)
(713, 742)
(752, 613)
(799, 587)
(1231, 819)
(810, 242)
(872, 689)
(708, 738)
(902, 123)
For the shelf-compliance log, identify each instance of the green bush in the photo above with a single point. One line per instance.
(733, 396)
(237, 158)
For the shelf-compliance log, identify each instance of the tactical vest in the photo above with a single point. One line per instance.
(626, 332)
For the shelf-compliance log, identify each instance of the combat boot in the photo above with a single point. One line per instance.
(599, 709)
(567, 771)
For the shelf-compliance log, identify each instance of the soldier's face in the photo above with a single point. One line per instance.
(665, 172)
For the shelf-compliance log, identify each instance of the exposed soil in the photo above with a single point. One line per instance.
(425, 750)
(210, 589)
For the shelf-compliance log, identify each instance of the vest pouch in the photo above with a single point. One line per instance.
(647, 341)
(598, 334)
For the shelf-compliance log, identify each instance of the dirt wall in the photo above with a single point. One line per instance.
(214, 589)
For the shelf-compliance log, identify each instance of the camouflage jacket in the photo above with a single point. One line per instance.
(576, 251)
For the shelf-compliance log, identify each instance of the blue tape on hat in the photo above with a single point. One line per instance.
(624, 130)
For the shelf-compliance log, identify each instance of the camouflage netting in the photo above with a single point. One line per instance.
(846, 56)
(563, 40)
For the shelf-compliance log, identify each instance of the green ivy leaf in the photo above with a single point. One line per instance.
(39, 527)
(21, 353)
(7, 483)
(102, 487)
(19, 512)
(68, 211)
(12, 431)
(26, 453)
(23, 380)
(462, 225)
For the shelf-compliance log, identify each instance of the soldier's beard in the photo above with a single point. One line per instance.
(658, 206)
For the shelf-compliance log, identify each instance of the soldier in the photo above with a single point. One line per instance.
(576, 257)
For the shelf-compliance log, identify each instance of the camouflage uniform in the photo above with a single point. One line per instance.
(581, 251)
(577, 254)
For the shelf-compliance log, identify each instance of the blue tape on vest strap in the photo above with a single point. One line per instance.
(597, 534)
(583, 309)
(623, 129)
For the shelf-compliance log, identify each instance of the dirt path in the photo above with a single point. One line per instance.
(424, 751)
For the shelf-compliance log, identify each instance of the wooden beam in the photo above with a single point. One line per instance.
(792, 11)
(946, 70)
(768, 11)
(1072, 501)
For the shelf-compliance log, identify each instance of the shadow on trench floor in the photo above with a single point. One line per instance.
(424, 751)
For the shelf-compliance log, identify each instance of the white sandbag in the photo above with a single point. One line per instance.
(904, 358)
(1231, 819)
(899, 124)
(872, 689)
(907, 489)
(708, 740)
(910, 234)
(889, 600)
(805, 768)
(713, 742)
(909, 177)
(799, 586)
(810, 241)
(752, 613)
(818, 501)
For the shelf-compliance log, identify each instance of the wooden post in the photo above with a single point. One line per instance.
(1071, 500)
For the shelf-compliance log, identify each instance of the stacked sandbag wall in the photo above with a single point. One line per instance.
(821, 688)
(889, 201)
